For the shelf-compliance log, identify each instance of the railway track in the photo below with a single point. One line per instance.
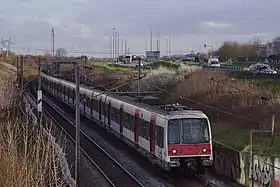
(112, 171)
(111, 175)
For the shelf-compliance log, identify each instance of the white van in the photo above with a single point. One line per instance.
(214, 62)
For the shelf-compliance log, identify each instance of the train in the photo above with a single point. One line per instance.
(172, 137)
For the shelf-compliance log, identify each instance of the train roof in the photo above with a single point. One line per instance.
(165, 110)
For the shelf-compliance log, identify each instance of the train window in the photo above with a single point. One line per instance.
(115, 115)
(81, 98)
(144, 129)
(69, 92)
(159, 136)
(88, 102)
(94, 105)
(128, 121)
(104, 109)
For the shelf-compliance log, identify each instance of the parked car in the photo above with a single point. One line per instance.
(214, 62)
(261, 69)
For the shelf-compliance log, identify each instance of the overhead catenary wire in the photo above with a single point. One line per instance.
(218, 142)
(84, 52)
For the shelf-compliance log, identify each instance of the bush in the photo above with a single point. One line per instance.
(163, 76)
(28, 156)
(167, 64)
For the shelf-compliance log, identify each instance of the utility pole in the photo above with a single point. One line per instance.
(6, 45)
(21, 72)
(118, 47)
(252, 157)
(125, 47)
(85, 60)
(166, 47)
(151, 42)
(39, 95)
(53, 42)
(139, 74)
(272, 130)
(116, 36)
(122, 49)
(158, 42)
(77, 103)
(169, 46)
(113, 51)
(18, 69)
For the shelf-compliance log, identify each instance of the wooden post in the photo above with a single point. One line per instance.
(272, 130)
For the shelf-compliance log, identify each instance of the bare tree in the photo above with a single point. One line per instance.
(47, 54)
(61, 52)
(257, 48)
(276, 45)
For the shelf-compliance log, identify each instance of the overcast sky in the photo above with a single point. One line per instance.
(86, 25)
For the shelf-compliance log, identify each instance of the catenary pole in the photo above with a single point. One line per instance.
(77, 103)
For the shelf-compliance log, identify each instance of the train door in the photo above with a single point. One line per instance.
(152, 133)
(74, 96)
(84, 103)
(109, 114)
(91, 107)
(136, 124)
(100, 108)
(121, 120)
(64, 92)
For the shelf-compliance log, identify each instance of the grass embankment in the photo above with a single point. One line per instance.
(27, 155)
(109, 67)
(232, 109)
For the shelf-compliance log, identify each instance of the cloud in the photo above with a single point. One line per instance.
(86, 25)
(217, 25)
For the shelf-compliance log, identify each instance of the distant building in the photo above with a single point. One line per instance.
(152, 56)
(272, 48)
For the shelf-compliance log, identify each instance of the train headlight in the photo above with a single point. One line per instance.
(174, 151)
(204, 150)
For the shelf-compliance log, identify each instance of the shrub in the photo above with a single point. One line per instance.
(28, 156)
(163, 76)
(167, 64)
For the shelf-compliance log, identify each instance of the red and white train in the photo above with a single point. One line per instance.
(172, 137)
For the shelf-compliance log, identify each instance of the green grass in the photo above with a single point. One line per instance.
(115, 67)
(271, 84)
(109, 67)
(240, 140)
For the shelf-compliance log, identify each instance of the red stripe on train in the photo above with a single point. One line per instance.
(152, 133)
(136, 116)
(185, 149)
(277, 183)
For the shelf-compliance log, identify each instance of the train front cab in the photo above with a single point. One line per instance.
(189, 144)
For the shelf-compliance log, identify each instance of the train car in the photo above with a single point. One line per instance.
(170, 136)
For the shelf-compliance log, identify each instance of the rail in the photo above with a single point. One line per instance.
(111, 177)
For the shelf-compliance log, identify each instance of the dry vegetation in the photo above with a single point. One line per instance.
(234, 107)
(27, 155)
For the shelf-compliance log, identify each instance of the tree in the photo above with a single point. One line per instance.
(47, 54)
(257, 48)
(61, 52)
(276, 45)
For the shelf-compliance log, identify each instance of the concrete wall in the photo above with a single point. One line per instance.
(238, 168)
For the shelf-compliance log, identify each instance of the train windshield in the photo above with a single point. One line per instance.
(188, 131)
